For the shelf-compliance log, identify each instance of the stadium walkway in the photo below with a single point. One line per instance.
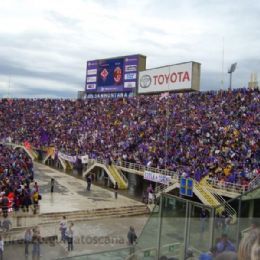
(70, 195)
(72, 191)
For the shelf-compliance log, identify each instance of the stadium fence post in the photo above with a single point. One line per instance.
(160, 227)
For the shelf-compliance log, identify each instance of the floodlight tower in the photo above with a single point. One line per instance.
(230, 71)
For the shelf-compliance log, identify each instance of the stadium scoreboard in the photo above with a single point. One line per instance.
(114, 77)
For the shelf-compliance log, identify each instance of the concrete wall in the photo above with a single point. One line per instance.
(195, 84)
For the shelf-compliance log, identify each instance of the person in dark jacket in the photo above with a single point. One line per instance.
(52, 185)
(131, 236)
(89, 181)
(116, 189)
(5, 202)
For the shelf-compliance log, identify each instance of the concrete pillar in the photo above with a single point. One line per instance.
(132, 183)
(102, 173)
(251, 208)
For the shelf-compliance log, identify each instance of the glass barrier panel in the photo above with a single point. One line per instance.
(173, 226)
(200, 227)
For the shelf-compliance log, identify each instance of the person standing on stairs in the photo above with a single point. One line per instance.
(89, 181)
(116, 189)
(52, 185)
(63, 228)
(69, 235)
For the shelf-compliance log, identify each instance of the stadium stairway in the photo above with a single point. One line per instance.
(205, 195)
(230, 211)
(33, 155)
(49, 153)
(112, 171)
(23, 221)
(69, 166)
(100, 165)
(213, 200)
(166, 188)
(118, 177)
(63, 163)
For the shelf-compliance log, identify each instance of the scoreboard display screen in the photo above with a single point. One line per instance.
(112, 75)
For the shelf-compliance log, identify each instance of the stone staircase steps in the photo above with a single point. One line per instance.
(51, 221)
(32, 220)
(93, 215)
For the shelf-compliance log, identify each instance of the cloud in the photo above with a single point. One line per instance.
(46, 44)
(63, 20)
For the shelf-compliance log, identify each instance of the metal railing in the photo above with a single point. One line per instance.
(123, 177)
(160, 188)
(231, 212)
(142, 168)
(254, 183)
(228, 186)
(216, 184)
(152, 252)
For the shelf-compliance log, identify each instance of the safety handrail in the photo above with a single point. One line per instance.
(217, 184)
(221, 200)
(228, 186)
(254, 183)
(140, 167)
(177, 246)
(123, 177)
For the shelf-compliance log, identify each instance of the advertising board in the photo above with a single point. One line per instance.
(168, 78)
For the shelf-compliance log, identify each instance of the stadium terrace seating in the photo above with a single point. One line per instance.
(16, 175)
(211, 133)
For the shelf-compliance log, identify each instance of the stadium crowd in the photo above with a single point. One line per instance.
(211, 133)
(17, 190)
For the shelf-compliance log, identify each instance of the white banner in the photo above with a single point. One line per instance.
(156, 177)
(69, 158)
(166, 78)
(73, 159)
(84, 158)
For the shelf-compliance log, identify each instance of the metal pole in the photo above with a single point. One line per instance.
(211, 227)
(166, 134)
(238, 223)
(222, 80)
(186, 228)
(230, 81)
(160, 226)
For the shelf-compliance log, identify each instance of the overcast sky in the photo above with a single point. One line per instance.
(44, 44)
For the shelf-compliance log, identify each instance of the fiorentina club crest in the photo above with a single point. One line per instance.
(117, 75)
(104, 74)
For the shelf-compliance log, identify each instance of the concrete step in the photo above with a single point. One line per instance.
(17, 233)
(32, 220)
(94, 215)
(142, 206)
(76, 219)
